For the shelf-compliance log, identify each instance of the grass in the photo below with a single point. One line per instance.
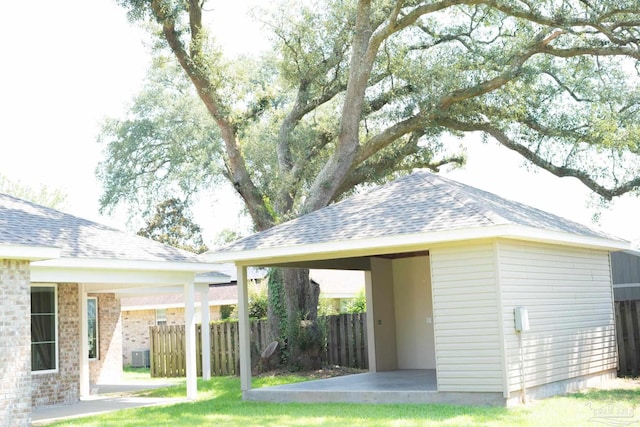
(131, 374)
(220, 404)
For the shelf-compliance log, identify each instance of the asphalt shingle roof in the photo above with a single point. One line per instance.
(26, 223)
(418, 203)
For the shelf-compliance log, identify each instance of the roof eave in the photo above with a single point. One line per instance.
(408, 243)
(130, 265)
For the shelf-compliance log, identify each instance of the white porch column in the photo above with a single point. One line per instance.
(190, 341)
(244, 330)
(85, 380)
(205, 338)
(371, 340)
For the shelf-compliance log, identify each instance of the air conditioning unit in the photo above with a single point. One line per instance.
(140, 359)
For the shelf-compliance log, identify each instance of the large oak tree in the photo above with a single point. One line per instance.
(357, 91)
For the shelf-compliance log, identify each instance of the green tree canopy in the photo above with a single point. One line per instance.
(43, 195)
(355, 92)
(173, 226)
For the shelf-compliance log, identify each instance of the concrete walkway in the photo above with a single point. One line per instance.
(108, 398)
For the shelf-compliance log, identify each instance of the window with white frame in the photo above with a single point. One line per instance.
(161, 316)
(92, 327)
(44, 328)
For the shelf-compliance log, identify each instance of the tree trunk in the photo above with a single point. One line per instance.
(276, 310)
(304, 337)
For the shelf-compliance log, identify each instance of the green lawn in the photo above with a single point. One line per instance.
(220, 404)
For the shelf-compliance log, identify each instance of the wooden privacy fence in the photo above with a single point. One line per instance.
(628, 331)
(346, 345)
(347, 341)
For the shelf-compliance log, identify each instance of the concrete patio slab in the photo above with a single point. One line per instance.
(403, 386)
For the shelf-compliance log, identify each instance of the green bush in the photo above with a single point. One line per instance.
(226, 311)
(258, 302)
(358, 304)
(326, 307)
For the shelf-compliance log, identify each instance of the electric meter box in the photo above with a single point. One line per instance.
(521, 316)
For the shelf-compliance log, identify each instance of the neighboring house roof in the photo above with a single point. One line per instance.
(230, 270)
(419, 208)
(338, 283)
(222, 294)
(333, 284)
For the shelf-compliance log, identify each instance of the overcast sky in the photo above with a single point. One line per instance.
(67, 65)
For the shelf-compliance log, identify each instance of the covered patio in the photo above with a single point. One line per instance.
(470, 297)
(61, 278)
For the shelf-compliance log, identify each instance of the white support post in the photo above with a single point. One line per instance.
(190, 341)
(371, 339)
(85, 380)
(205, 338)
(244, 330)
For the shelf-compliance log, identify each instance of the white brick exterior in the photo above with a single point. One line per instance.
(15, 342)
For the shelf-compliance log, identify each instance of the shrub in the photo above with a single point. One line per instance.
(258, 302)
(358, 304)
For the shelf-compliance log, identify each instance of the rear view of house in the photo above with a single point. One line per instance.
(60, 322)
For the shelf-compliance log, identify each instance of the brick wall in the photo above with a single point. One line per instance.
(15, 342)
(135, 332)
(108, 367)
(62, 386)
(135, 327)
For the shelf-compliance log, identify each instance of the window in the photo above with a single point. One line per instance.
(92, 326)
(161, 317)
(44, 329)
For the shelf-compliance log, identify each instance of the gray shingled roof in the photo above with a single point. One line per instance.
(418, 203)
(29, 224)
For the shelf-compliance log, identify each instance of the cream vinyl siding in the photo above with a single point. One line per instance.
(567, 292)
(466, 318)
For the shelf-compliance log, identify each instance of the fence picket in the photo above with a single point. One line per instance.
(628, 337)
(236, 348)
(215, 339)
(229, 353)
(346, 345)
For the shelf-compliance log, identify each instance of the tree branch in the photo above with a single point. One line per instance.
(399, 160)
(514, 67)
(536, 159)
(234, 161)
(387, 136)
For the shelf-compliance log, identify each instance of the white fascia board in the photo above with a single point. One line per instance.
(212, 303)
(133, 265)
(152, 278)
(31, 253)
(142, 307)
(565, 239)
(149, 291)
(407, 243)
